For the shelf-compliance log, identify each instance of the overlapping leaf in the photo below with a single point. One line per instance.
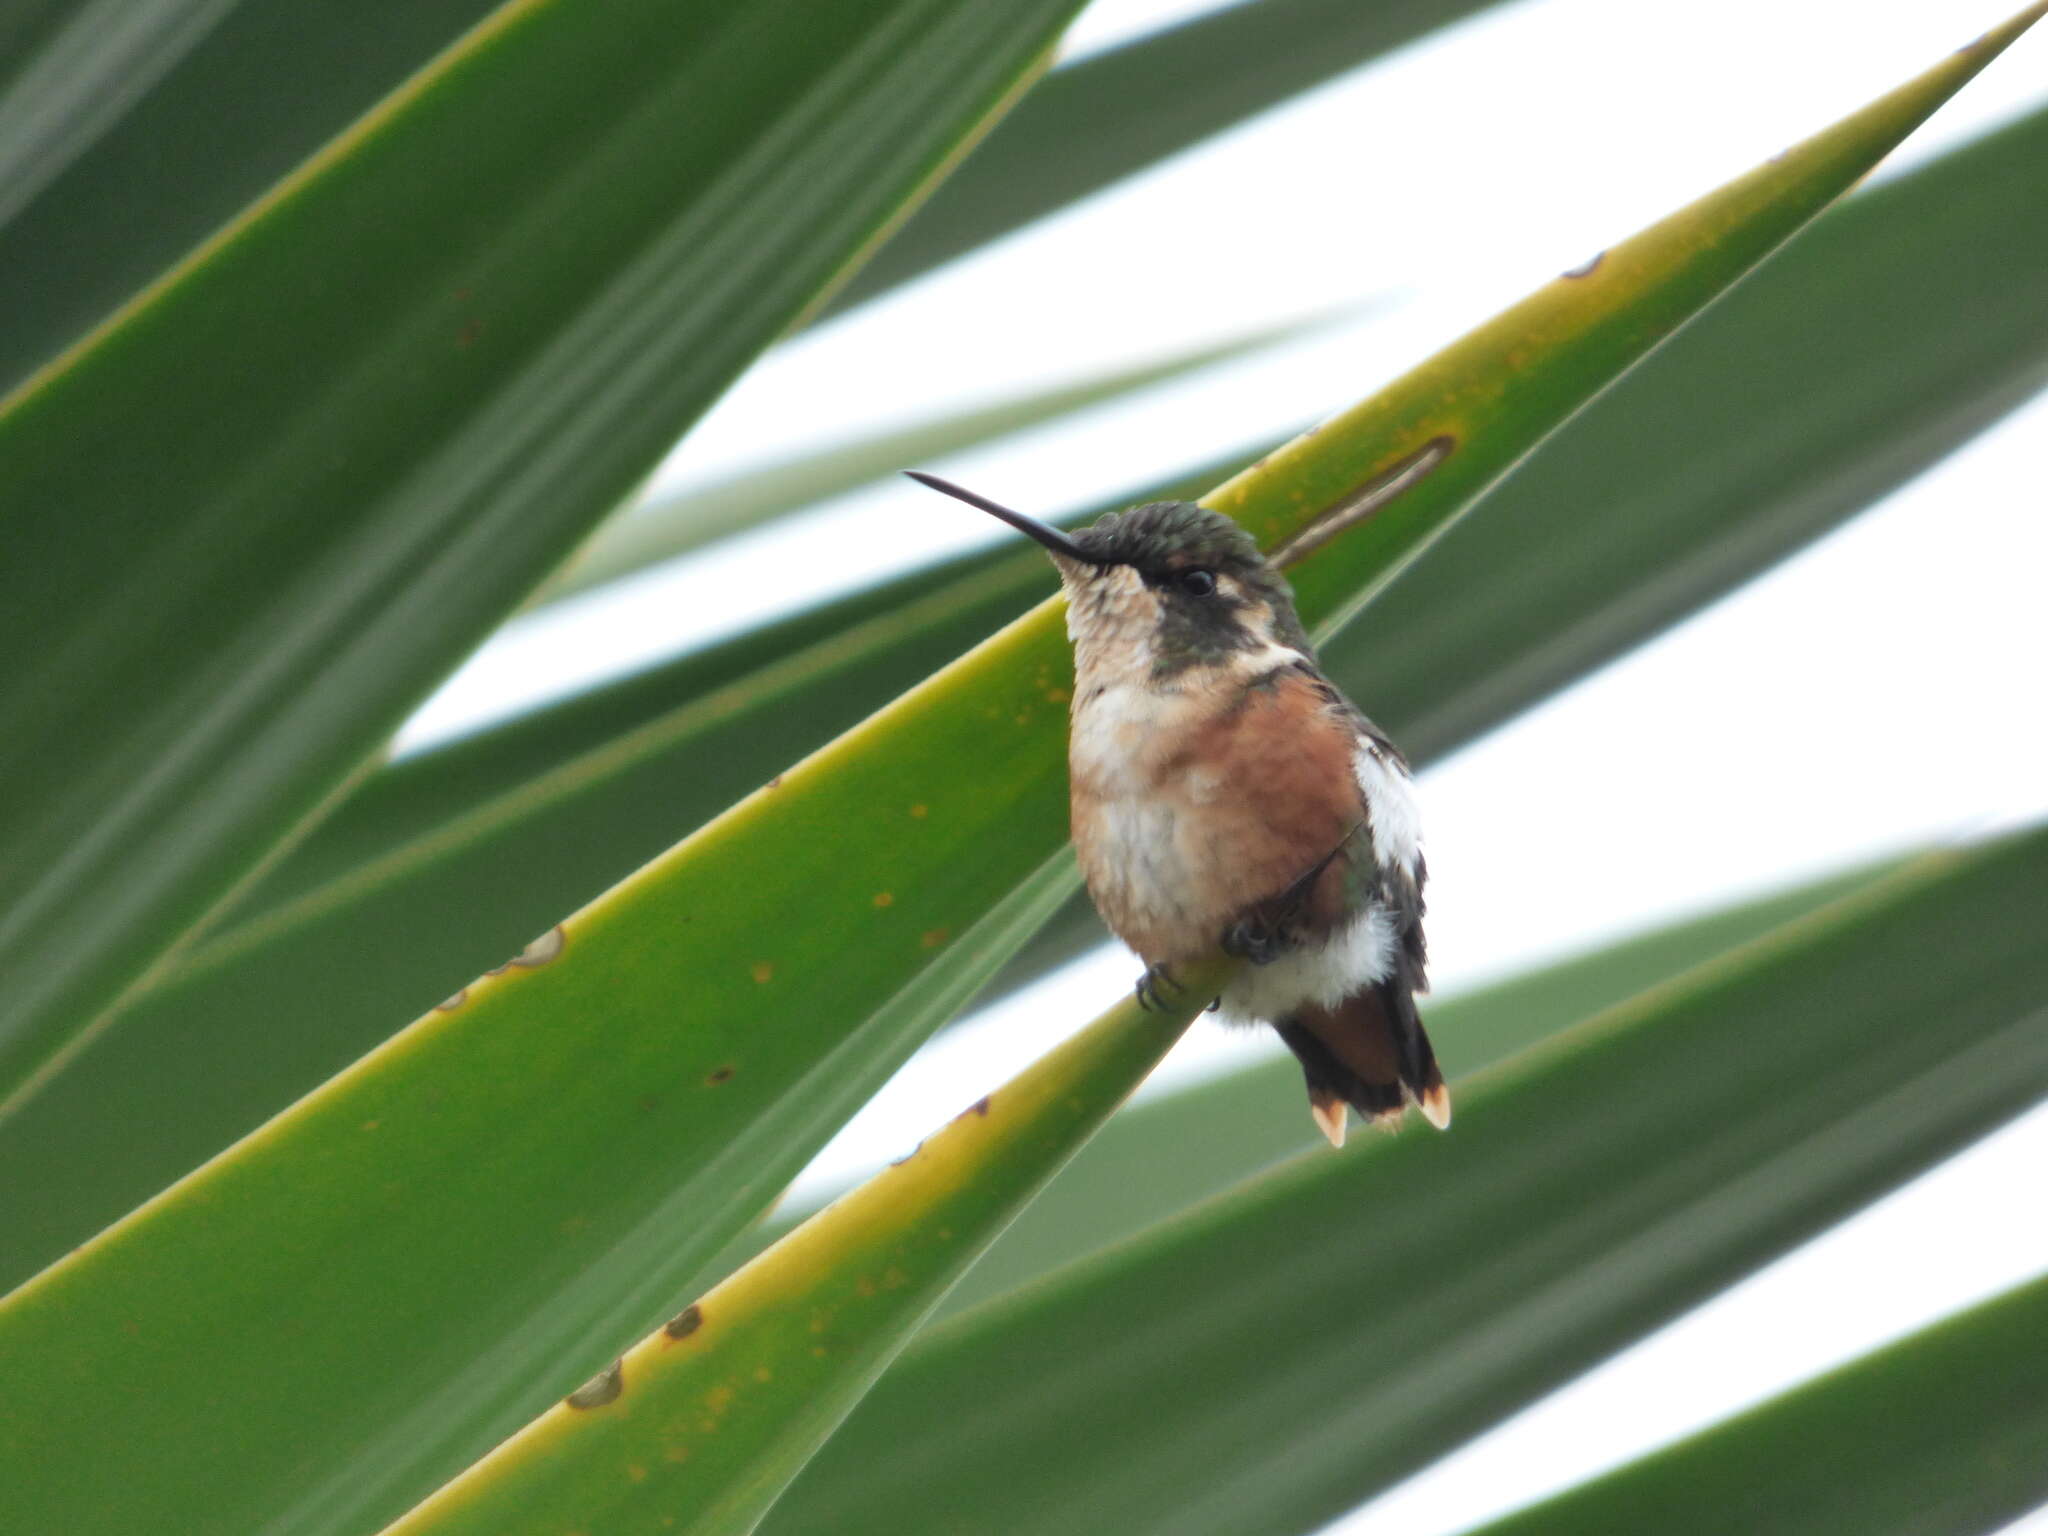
(1104, 117)
(283, 492)
(213, 131)
(480, 1203)
(1893, 329)
(216, 130)
(1946, 1431)
(667, 527)
(1164, 1155)
(700, 1427)
(440, 909)
(1269, 1359)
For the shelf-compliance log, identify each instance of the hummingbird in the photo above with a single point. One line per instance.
(1226, 794)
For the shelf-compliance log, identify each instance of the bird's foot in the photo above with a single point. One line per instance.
(1261, 945)
(1157, 991)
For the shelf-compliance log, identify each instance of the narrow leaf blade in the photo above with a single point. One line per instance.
(1263, 1363)
(1164, 1155)
(399, 347)
(677, 983)
(1945, 1431)
(211, 134)
(663, 529)
(1101, 118)
(721, 1408)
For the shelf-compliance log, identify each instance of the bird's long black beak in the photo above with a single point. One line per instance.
(1054, 540)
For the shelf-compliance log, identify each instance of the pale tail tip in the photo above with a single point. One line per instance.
(1329, 1119)
(1436, 1106)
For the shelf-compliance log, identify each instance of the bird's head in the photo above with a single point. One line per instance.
(1162, 587)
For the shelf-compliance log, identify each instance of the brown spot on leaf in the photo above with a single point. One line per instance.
(776, 782)
(884, 899)
(978, 1107)
(1589, 266)
(932, 938)
(717, 1075)
(685, 1322)
(636, 1472)
(764, 972)
(602, 1388)
(919, 812)
(453, 1001)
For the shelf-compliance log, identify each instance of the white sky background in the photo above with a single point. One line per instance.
(1879, 691)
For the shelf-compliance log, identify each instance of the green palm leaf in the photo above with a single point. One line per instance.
(701, 1426)
(1618, 497)
(205, 137)
(1162, 1156)
(1125, 108)
(364, 1295)
(286, 489)
(1270, 1358)
(556, 1187)
(1944, 1432)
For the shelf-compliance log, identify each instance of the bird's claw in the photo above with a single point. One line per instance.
(1257, 943)
(1156, 989)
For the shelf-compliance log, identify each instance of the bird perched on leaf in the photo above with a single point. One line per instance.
(1225, 793)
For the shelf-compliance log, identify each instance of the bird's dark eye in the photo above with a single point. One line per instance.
(1196, 583)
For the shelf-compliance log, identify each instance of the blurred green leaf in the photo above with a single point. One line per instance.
(280, 495)
(509, 869)
(1899, 326)
(463, 1206)
(1272, 1357)
(521, 1156)
(27, 29)
(1944, 1433)
(149, 1098)
(1164, 1154)
(226, 112)
(221, 123)
(416, 795)
(663, 528)
(723, 1405)
(65, 79)
(478, 1215)
(1120, 110)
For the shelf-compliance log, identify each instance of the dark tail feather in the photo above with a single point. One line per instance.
(1369, 1052)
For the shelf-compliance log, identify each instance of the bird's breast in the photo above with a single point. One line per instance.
(1132, 804)
(1190, 803)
